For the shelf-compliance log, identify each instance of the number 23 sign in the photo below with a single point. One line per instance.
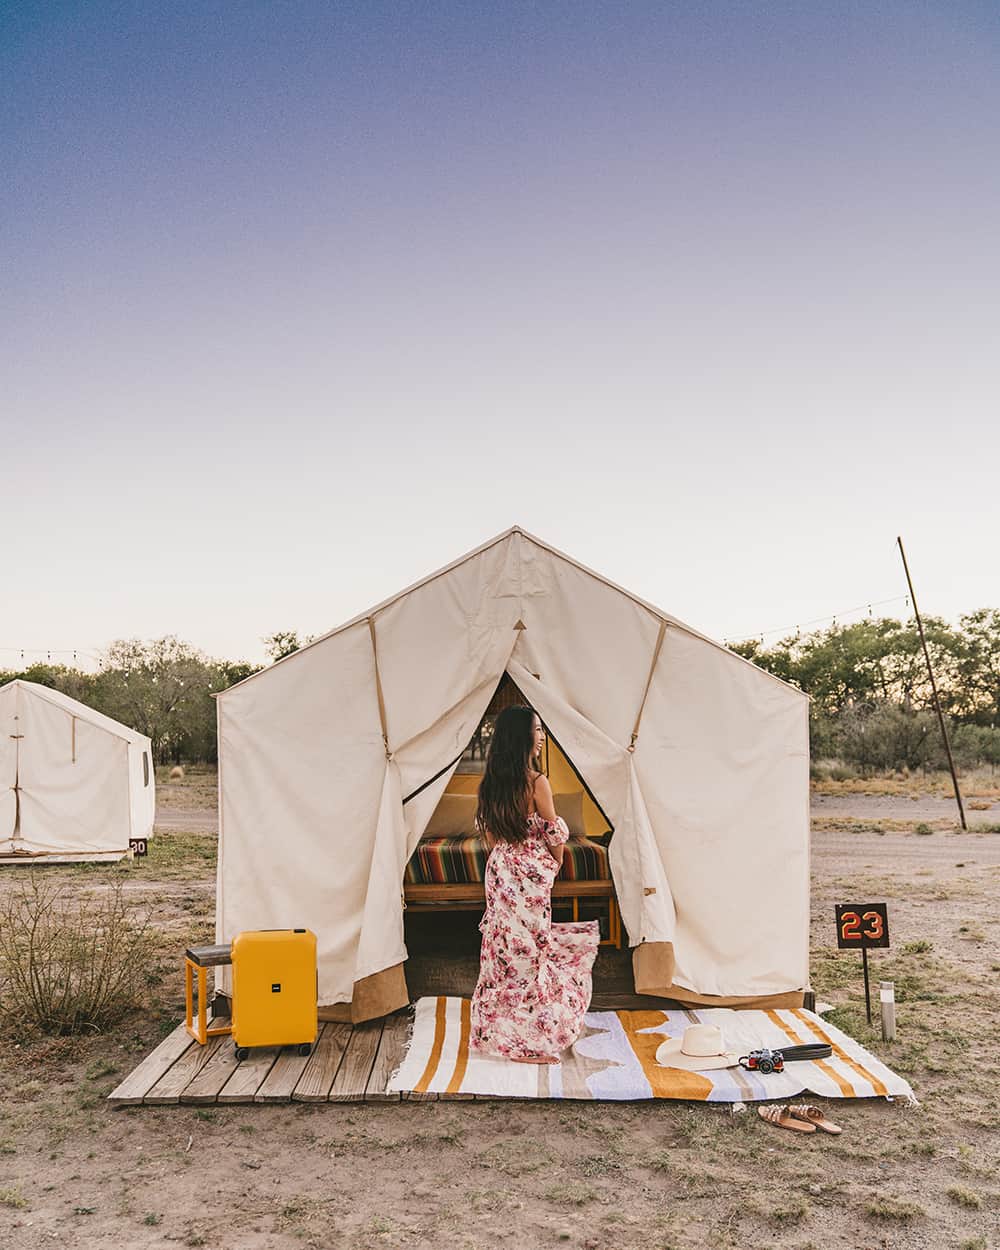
(861, 926)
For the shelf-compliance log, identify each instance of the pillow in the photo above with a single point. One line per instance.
(454, 816)
(570, 808)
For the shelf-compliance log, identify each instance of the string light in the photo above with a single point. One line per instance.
(49, 652)
(821, 620)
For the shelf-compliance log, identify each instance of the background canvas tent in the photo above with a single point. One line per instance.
(74, 784)
(698, 758)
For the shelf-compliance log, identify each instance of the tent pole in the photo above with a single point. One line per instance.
(937, 701)
(649, 682)
(378, 690)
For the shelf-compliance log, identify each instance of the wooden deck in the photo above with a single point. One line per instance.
(349, 1063)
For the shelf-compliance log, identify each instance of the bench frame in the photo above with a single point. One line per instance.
(471, 896)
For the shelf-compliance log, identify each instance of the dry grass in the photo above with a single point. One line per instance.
(198, 788)
(487, 1176)
(979, 783)
(71, 961)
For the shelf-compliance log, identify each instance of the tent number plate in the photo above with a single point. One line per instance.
(138, 847)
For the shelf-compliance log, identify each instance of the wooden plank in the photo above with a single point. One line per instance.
(288, 1067)
(213, 1075)
(323, 1065)
(141, 1080)
(388, 1057)
(359, 1059)
(623, 1000)
(242, 1086)
(167, 1089)
(210, 956)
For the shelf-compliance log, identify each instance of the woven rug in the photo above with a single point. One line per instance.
(614, 1059)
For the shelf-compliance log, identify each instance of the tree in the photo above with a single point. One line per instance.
(163, 689)
(978, 665)
(280, 644)
(284, 642)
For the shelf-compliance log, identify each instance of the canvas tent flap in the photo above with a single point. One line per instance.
(723, 764)
(589, 642)
(380, 943)
(435, 754)
(644, 896)
(442, 641)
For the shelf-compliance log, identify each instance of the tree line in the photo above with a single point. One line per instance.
(161, 688)
(871, 696)
(872, 700)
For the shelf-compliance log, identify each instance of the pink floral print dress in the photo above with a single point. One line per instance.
(534, 976)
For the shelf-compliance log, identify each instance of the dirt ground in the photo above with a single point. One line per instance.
(76, 1172)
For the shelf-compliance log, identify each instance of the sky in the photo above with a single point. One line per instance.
(301, 301)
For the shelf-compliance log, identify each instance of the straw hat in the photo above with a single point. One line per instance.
(699, 1050)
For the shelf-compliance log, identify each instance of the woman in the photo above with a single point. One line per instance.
(534, 976)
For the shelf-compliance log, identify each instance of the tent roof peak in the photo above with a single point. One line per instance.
(82, 711)
(504, 536)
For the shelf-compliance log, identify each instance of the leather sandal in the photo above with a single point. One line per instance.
(813, 1115)
(779, 1114)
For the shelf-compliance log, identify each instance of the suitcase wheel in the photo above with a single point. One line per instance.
(242, 1052)
(305, 1048)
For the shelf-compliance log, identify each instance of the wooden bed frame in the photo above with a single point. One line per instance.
(471, 896)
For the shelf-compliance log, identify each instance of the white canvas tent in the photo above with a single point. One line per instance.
(698, 758)
(74, 784)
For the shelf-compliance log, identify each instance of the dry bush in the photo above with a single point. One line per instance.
(70, 964)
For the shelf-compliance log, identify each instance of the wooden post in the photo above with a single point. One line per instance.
(887, 1001)
(937, 701)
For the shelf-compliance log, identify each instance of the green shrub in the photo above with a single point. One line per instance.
(70, 964)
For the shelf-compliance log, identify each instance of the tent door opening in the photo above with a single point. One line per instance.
(443, 886)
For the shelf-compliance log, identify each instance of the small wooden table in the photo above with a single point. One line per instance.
(199, 959)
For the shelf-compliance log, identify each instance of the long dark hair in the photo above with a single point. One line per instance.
(506, 785)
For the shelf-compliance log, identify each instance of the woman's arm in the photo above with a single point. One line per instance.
(546, 808)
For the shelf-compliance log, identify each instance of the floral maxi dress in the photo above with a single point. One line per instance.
(534, 976)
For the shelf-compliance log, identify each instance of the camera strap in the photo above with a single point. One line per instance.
(811, 1050)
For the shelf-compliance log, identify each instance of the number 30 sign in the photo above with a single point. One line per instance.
(862, 926)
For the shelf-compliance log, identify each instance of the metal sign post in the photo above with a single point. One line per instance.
(861, 926)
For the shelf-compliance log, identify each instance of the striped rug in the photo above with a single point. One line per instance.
(615, 1059)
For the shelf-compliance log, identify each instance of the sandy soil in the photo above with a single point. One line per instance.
(918, 807)
(74, 1171)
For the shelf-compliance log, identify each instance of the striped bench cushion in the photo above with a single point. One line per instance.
(459, 860)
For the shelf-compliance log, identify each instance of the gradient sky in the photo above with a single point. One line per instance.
(302, 300)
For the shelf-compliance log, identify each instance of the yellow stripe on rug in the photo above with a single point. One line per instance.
(811, 1023)
(846, 1088)
(434, 1058)
(462, 1058)
(664, 1082)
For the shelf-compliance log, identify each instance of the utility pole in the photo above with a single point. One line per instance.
(937, 701)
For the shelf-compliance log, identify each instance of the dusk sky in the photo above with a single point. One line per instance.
(301, 301)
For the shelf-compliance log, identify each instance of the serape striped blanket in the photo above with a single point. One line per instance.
(459, 860)
(615, 1059)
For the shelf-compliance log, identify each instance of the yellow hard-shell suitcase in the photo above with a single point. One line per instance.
(274, 989)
